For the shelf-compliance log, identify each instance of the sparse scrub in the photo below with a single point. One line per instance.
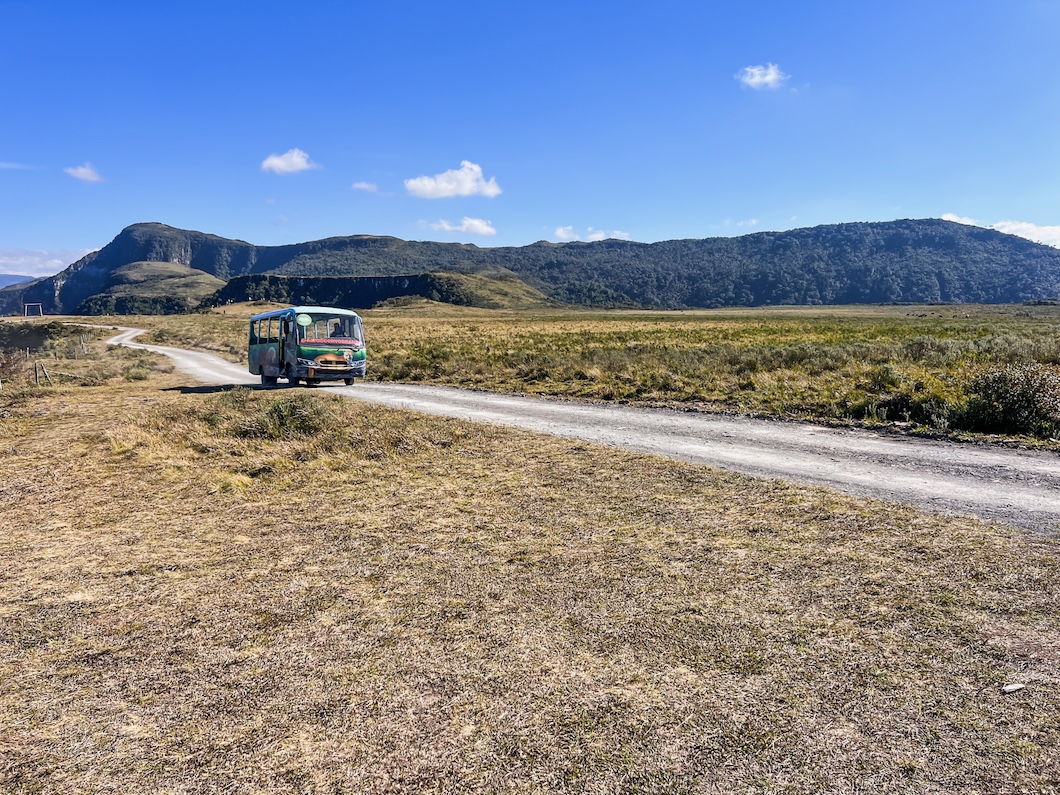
(270, 430)
(69, 354)
(907, 365)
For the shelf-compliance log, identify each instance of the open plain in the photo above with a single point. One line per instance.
(216, 589)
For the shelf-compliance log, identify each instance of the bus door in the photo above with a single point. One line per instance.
(288, 342)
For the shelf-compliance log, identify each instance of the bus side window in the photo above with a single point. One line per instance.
(253, 332)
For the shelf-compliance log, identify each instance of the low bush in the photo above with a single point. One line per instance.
(12, 363)
(298, 414)
(1017, 398)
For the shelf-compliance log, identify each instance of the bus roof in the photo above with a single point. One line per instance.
(324, 310)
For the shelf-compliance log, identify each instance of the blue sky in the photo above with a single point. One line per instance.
(503, 124)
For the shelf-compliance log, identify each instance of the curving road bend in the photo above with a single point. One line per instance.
(1019, 487)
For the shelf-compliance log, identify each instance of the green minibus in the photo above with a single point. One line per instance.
(310, 343)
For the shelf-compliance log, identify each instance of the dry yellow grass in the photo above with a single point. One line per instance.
(196, 597)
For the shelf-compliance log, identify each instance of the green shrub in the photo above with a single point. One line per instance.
(296, 414)
(1017, 398)
(136, 372)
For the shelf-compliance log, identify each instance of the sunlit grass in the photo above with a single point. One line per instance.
(288, 592)
(911, 365)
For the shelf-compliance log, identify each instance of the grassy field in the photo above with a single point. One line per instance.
(943, 369)
(163, 278)
(279, 591)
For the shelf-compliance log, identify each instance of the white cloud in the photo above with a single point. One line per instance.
(746, 223)
(85, 173)
(762, 77)
(465, 181)
(290, 162)
(367, 187)
(30, 262)
(592, 235)
(1046, 235)
(1049, 235)
(471, 226)
(11, 166)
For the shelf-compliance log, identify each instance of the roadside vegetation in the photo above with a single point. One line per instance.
(939, 369)
(278, 590)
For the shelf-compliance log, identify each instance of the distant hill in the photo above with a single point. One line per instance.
(895, 261)
(151, 288)
(13, 278)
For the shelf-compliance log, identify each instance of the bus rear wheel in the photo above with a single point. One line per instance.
(349, 381)
(268, 380)
(292, 379)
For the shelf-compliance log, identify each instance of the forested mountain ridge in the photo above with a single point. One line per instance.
(907, 260)
(13, 278)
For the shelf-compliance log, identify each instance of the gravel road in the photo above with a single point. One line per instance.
(1019, 487)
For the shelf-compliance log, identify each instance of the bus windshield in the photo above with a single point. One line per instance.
(317, 327)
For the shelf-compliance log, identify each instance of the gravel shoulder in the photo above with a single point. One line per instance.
(1018, 487)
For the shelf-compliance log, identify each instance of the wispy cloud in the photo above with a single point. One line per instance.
(36, 262)
(592, 235)
(85, 173)
(1049, 235)
(464, 181)
(1046, 235)
(367, 187)
(471, 226)
(762, 77)
(13, 166)
(290, 162)
(747, 223)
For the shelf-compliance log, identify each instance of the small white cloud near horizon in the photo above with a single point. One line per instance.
(85, 173)
(290, 162)
(38, 263)
(747, 223)
(367, 187)
(591, 235)
(465, 181)
(599, 234)
(470, 226)
(762, 77)
(1046, 235)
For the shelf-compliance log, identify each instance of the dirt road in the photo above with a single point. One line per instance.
(1014, 486)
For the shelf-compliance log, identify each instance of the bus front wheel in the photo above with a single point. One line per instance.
(349, 381)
